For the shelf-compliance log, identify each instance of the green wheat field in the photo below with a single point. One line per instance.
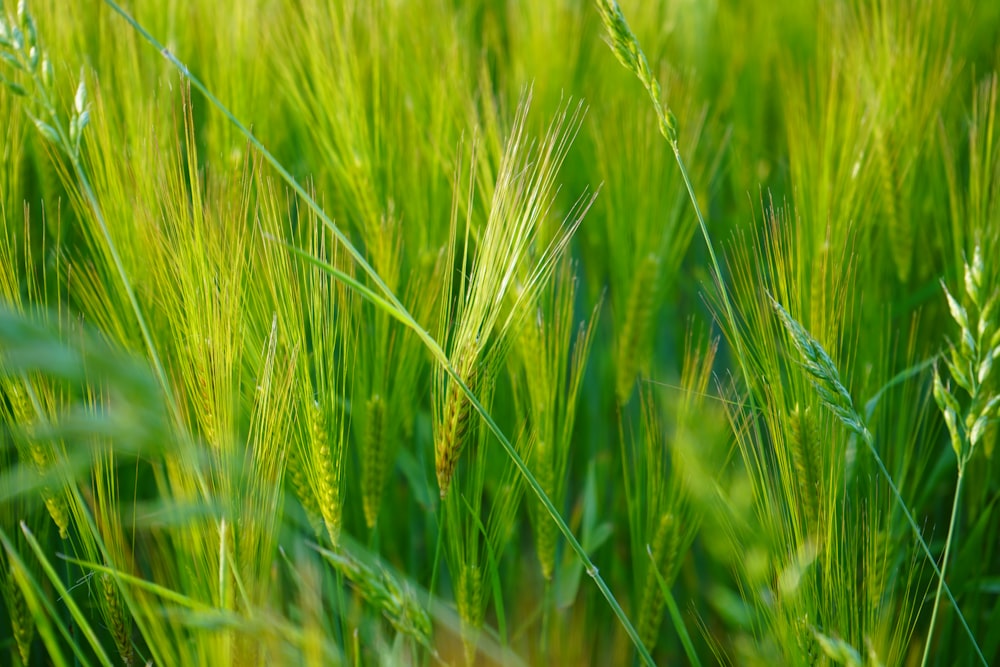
(499, 332)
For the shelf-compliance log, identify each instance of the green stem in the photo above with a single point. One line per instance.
(944, 567)
(405, 316)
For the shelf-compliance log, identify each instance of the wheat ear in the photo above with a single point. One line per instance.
(455, 423)
(665, 551)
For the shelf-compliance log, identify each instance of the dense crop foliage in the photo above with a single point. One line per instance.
(524, 332)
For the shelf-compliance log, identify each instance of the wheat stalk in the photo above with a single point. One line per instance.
(970, 364)
(22, 51)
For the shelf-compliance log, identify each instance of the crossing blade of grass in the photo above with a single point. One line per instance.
(404, 315)
(675, 613)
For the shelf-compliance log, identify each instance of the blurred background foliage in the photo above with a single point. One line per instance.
(254, 481)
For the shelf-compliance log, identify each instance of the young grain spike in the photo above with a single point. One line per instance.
(626, 48)
(207, 413)
(296, 473)
(633, 345)
(373, 461)
(21, 621)
(804, 444)
(900, 235)
(119, 622)
(545, 531)
(535, 358)
(665, 549)
(41, 456)
(970, 365)
(455, 424)
(877, 567)
(381, 589)
(470, 608)
(327, 471)
(825, 376)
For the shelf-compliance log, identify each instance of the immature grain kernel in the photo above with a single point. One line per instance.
(804, 443)
(665, 548)
(470, 608)
(455, 420)
(634, 343)
(545, 530)
(119, 622)
(808, 646)
(300, 485)
(209, 428)
(58, 510)
(327, 472)
(41, 456)
(373, 460)
(900, 235)
(21, 620)
(877, 567)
